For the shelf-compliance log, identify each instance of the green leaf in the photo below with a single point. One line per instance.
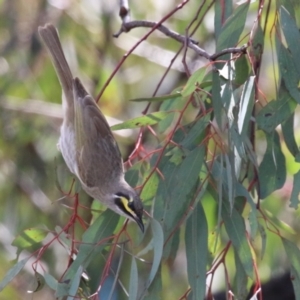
(30, 237)
(158, 99)
(233, 28)
(242, 70)
(155, 290)
(289, 137)
(40, 280)
(272, 170)
(236, 230)
(223, 11)
(13, 272)
(216, 98)
(150, 119)
(51, 281)
(134, 280)
(175, 192)
(292, 36)
(196, 237)
(246, 106)
(192, 83)
(293, 255)
(263, 235)
(276, 112)
(158, 244)
(90, 247)
(296, 191)
(241, 279)
(289, 73)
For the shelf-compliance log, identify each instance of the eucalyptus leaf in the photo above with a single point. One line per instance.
(196, 237)
(272, 170)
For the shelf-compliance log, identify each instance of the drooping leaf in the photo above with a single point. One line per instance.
(90, 247)
(293, 255)
(289, 137)
(295, 197)
(175, 193)
(223, 11)
(196, 237)
(289, 73)
(40, 282)
(150, 119)
(158, 243)
(13, 272)
(134, 280)
(155, 289)
(276, 112)
(292, 35)
(246, 106)
(236, 230)
(272, 170)
(241, 279)
(216, 98)
(233, 28)
(242, 70)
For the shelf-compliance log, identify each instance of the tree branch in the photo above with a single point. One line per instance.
(188, 42)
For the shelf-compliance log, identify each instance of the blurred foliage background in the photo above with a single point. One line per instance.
(30, 117)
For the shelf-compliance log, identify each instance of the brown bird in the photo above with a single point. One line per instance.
(86, 141)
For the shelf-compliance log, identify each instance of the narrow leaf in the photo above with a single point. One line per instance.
(158, 243)
(233, 27)
(236, 230)
(293, 255)
(272, 170)
(196, 237)
(150, 119)
(295, 197)
(134, 280)
(13, 272)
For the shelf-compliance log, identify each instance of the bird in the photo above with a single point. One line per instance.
(86, 141)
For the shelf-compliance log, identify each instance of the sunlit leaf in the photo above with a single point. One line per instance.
(150, 119)
(30, 237)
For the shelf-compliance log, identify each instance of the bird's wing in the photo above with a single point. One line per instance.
(98, 156)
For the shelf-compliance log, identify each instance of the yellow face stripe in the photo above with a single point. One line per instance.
(125, 203)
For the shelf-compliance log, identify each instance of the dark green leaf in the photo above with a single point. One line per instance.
(241, 279)
(242, 70)
(223, 11)
(175, 193)
(296, 191)
(155, 290)
(289, 136)
(276, 112)
(289, 73)
(233, 28)
(272, 170)
(13, 272)
(236, 230)
(293, 255)
(90, 247)
(292, 36)
(196, 237)
(150, 119)
(216, 98)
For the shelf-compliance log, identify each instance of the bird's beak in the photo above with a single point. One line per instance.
(139, 221)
